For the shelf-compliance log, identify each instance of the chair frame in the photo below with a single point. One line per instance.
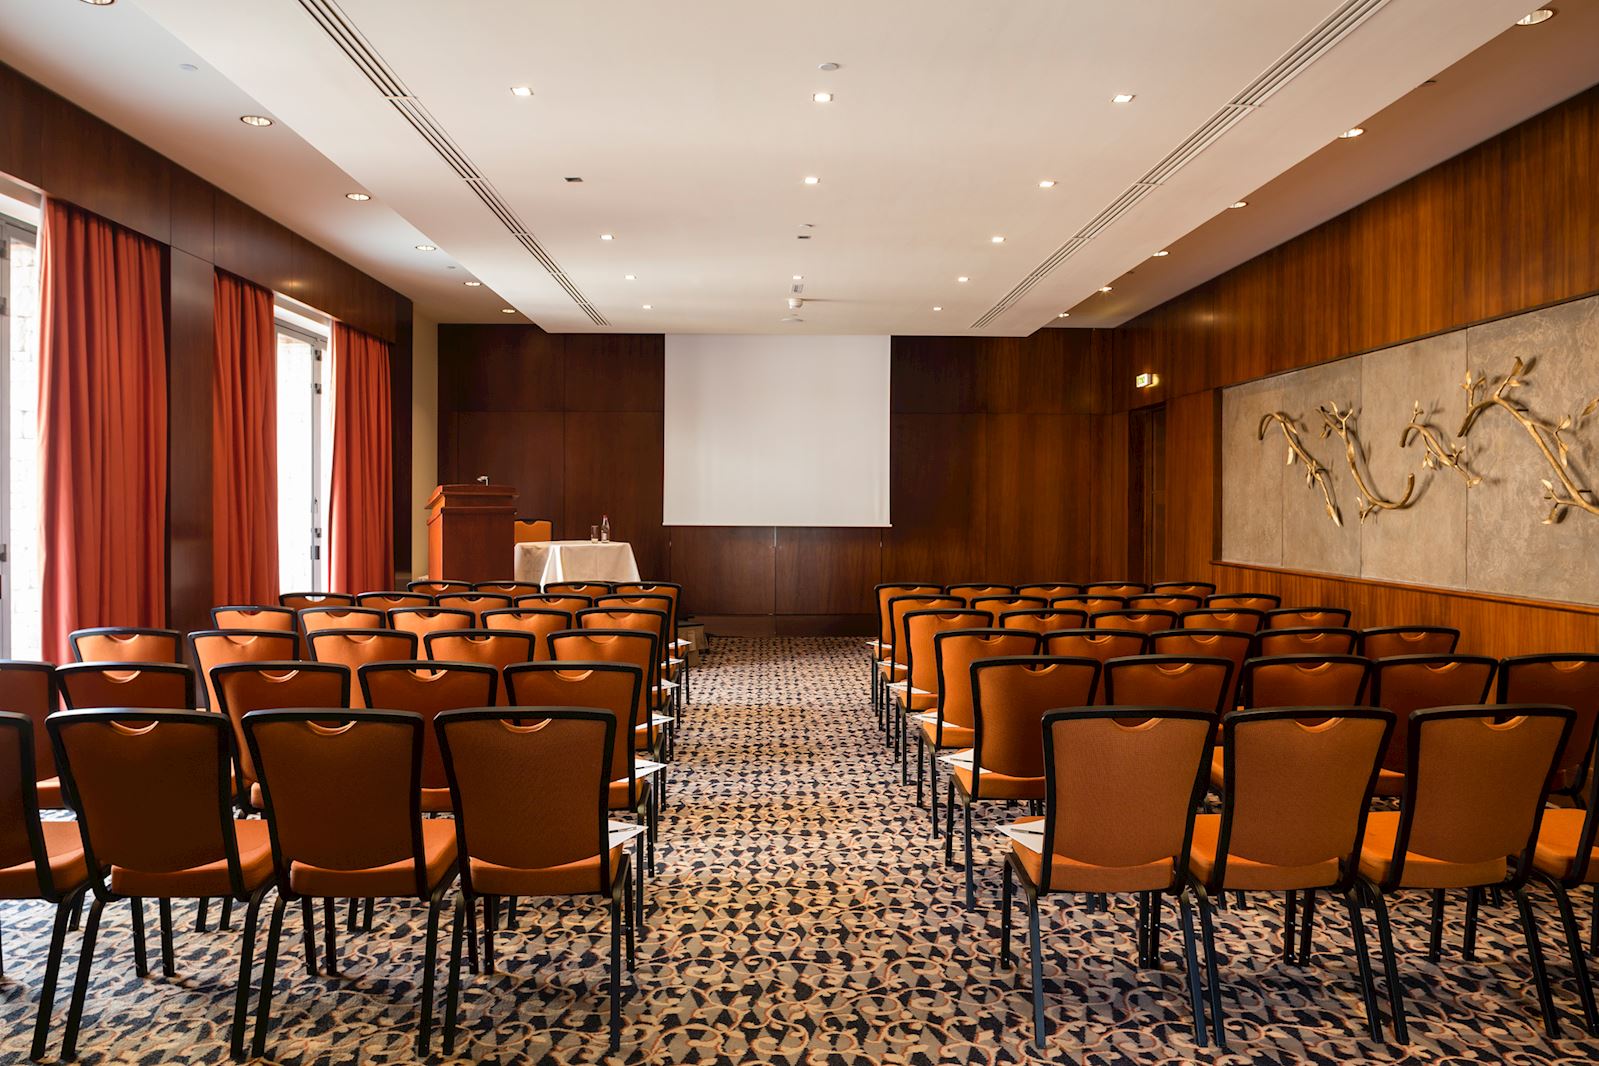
(139, 631)
(189, 674)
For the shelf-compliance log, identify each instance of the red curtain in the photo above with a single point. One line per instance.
(360, 507)
(102, 427)
(244, 446)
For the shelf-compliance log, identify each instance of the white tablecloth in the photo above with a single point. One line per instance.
(542, 562)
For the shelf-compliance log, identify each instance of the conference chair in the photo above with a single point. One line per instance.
(664, 600)
(473, 602)
(39, 859)
(343, 799)
(1475, 782)
(211, 648)
(536, 529)
(1564, 860)
(891, 670)
(1388, 641)
(590, 589)
(553, 840)
(420, 621)
(632, 647)
(537, 622)
(319, 619)
(437, 588)
(1293, 814)
(496, 648)
(115, 684)
(1047, 620)
(1205, 644)
(261, 686)
(1409, 683)
(949, 725)
(1307, 618)
(1100, 645)
(299, 601)
(428, 688)
(512, 589)
(555, 602)
(1141, 848)
(1175, 602)
(918, 693)
(1089, 605)
(1010, 694)
(1202, 684)
(1201, 589)
(278, 619)
(998, 605)
(388, 601)
(1139, 621)
(1305, 681)
(355, 648)
(654, 622)
(881, 650)
(1244, 601)
(1335, 640)
(126, 644)
(977, 590)
(1562, 679)
(155, 812)
(1121, 589)
(1243, 619)
(29, 689)
(1050, 590)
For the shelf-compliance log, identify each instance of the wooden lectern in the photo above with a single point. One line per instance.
(471, 533)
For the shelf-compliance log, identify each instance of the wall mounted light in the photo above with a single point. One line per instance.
(1146, 381)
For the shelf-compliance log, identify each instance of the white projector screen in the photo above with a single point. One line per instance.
(776, 431)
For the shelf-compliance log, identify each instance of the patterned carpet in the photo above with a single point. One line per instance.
(803, 915)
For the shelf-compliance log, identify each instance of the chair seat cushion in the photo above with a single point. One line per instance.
(68, 869)
(573, 878)
(49, 790)
(1000, 786)
(436, 800)
(1069, 875)
(211, 879)
(955, 736)
(1247, 874)
(1420, 871)
(619, 799)
(1389, 783)
(1559, 836)
(393, 879)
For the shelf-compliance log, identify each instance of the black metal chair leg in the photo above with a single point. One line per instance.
(1568, 925)
(263, 1006)
(241, 995)
(226, 917)
(949, 824)
(1390, 965)
(632, 931)
(1006, 891)
(464, 921)
(971, 883)
(430, 962)
(1036, 950)
(921, 767)
(1290, 923)
(471, 935)
(80, 986)
(201, 911)
(141, 961)
(1208, 928)
(77, 916)
(1435, 933)
(1368, 987)
(1157, 905)
(490, 915)
(168, 963)
(371, 910)
(1196, 997)
(308, 915)
(1540, 976)
(1468, 945)
(353, 921)
(52, 971)
(616, 975)
(330, 936)
(1307, 925)
(932, 789)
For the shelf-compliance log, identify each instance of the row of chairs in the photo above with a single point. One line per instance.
(419, 593)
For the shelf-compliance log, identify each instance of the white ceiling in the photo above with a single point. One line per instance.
(692, 127)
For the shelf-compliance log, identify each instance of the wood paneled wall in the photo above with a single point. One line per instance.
(1506, 226)
(55, 146)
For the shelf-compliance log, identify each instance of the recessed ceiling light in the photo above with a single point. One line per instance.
(822, 98)
(1122, 98)
(189, 67)
(99, 3)
(1064, 314)
(507, 310)
(358, 197)
(427, 247)
(648, 306)
(812, 180)
(802, 236)
(472, 284)
(629, 277)
(1162, 254)
(573, 181)
(254, 120)
(607, 236)
(1239, 203)
(799, 277)
(938, 308)
(1531, 18)
(1104, 288)
(1047, 183)
(996, 239)
(1351, 133)
(827, 66)
(963, 279)
(521, 90)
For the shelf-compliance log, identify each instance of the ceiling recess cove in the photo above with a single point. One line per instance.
(1317, 43)
(343, 33)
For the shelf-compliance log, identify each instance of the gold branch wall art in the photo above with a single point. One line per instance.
(1483, 395)
(1440, 456)
(1342, 424)
(1315, 473)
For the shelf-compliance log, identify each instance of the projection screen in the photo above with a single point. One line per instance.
(776, 431)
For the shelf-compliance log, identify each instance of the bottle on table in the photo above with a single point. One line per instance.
(605, 529)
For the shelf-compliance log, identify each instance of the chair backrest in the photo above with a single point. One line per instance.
(498, 648)
(1201, 684)
(537, 622)
(920, 631)
(1089, 605)
(954, 652)
(590, 589)
(1246, 601)
(1387, 641)
(343, 789)
(1175, 602)
(1407, 683)
(1309, 640)
(1121, 786)
(281, 619)
(998, 605)
(299, 601)
(1010, 696)
(1204, 644)
(534, 529)
(629, 646)
(976, 590)
(420, 621)
(126, 644)
(1297, 788)
(530, 794)
(1135, 621)
(29, 689)
(427, 687)
(671, 591)
(1201, 589)
(388, 601)
(149, 685)
(245, 687)
(1101, 645)
(1047, 620)
(512, 589)
(554, 602)
(437, 588)
(884, 593)
(1122, 589)
(900, 606)
(1475, 784)
(1050, 590)
(640, 619)
(1569, 679)
(1307, 618)
(645, 601)
(212, 647)
(357, 647)
(474, 602)
(601, 686)
(21, 838)
(152, 788)
(1305, 681)
(1242, 619)
(320, 619)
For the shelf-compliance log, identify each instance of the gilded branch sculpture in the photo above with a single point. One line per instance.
(1369, 501)
(1315, 473)
(1550, 439)
(1440, 456)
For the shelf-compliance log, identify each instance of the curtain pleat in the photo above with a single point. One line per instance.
(360, 505)
(244, 444)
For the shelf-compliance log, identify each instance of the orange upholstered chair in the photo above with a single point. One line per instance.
(1564, 859)
(1122, 589)
(553, 840)
(998, 605)
(279, 619)
(1334, 640)
(428, 688)
(512, 589)
(388, 601)
(29, 689)
(918, 693)
(1409, 683)
(213, 647)
(318, 619)
(1388, 641)
(1307, 618)
(268, 686)
(1205, 644)
(537, 622)
(1048, 620)
(1089, 605)
(148, 685)
(630, 646)
(497, 648)
(1562, 679)
(438, 588)
(299, 601)
(1243, 619)
(644, 620)
(355, 648)
(978, 590)
(1202, 589)
(154, 796)
(420, 621)
(1203, 684)
(555, 601)
(126, 644)
(1050, 590)
(533, 529)
(1101, 645)
(1305, 681)
(1137, 621)
(343, 797)
(591, 589)
(1175, 602)
(891, 666)
(1246, 601)
(475, 602)
(882, 648)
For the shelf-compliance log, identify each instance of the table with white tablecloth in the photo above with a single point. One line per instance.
(542, 562)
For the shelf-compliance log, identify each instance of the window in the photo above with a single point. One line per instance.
(20, 631)
(305, 444)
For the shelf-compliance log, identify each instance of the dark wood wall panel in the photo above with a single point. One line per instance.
(613, 467)
(725, 569)
(827, 571)
(190, 352)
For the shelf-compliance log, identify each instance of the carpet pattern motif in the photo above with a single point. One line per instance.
(802, 914)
